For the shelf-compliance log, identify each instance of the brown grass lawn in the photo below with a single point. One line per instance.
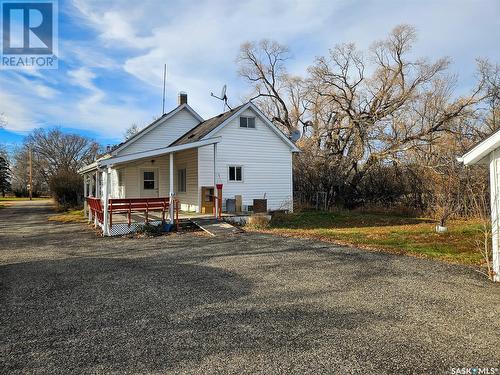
(401, 234)
(71, 216)
(7, 199)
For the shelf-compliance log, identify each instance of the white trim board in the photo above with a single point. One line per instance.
(478, 155)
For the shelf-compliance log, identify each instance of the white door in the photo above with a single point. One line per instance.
(149, 183)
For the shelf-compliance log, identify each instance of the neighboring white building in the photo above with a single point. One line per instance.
(488, 153)
(183, 155)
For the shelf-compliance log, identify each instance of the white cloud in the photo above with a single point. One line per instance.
(199, 41)
(16, 115)
(110, 81)
(29, 104)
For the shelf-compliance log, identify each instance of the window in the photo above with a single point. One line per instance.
(120, 178)
(181, 180)
(149, 180)
(247, 122)
(235, 173)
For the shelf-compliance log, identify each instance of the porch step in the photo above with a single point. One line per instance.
(216, 227)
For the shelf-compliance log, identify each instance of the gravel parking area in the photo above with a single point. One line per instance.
(72, 302)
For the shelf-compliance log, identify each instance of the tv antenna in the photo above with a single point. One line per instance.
(164, 88)
(222, 97)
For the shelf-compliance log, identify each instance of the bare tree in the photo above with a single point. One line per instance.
(359, 110)
(279, 94)
(481, 211)
(54, 150)
(20, 173)
(5, 173)
(131, 131)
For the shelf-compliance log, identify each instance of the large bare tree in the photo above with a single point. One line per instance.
(279, 94)
(54, 151)
(56, 156)
(358, 109)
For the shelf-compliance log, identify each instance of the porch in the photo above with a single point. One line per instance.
(123, 192)
(124, 216)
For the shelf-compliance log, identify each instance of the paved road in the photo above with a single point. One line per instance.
(71, 302)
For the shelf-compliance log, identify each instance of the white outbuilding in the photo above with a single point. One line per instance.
(488, 153)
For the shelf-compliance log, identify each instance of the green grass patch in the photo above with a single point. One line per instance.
(395, 233)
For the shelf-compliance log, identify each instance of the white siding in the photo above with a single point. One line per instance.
(266, 162)
(206, 166)
(163, 134)
(189, 160)
(131, 175)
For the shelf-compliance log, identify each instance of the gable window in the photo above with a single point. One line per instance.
(247, 122)
(235, 173)
(181, 180)
(149, 180)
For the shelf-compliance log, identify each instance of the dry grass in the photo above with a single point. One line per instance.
(71, 216)
(7, 199)
(400, 234)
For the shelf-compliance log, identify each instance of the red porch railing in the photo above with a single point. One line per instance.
(95, 207)
(129, 205)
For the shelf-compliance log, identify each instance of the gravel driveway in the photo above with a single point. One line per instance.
(72, 302)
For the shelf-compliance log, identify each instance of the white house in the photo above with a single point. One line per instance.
(182, 155)
(488, 153)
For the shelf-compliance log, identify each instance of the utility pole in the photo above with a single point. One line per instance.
(31, 174)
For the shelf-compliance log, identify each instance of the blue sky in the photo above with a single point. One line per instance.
(112, 53)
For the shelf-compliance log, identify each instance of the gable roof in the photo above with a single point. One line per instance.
(479, 152)
(205, 127)
(210, 127)
(154, 125)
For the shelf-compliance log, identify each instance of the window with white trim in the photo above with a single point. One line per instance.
(148, 180)
(181, 180)
(247, 122)
(235, 173)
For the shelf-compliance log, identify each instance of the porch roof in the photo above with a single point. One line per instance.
(155, 153)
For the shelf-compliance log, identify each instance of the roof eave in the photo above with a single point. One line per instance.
(156, 152)
(478, 154)
(89, 168)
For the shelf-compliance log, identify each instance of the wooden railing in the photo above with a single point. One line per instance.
(95, 207)
(145, 205)
(130, 205)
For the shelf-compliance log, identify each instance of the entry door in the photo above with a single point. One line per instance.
(207, 200)
(149, 183)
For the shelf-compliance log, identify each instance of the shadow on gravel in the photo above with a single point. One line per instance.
(110, 312)
(147, 314)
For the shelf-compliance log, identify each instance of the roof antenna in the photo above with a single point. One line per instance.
(164, 88)
(222, 97)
